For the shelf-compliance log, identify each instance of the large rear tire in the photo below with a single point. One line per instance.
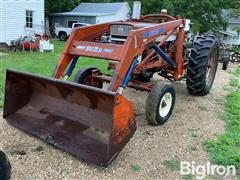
(160, 103)
(84, 76)
(203, 64)
(5, 167)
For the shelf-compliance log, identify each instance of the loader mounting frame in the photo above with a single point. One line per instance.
(86, 42)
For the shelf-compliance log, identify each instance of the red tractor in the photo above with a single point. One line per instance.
(93, 122)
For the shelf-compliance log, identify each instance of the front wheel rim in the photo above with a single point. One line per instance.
(165, 104)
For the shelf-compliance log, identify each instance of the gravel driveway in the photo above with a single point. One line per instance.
(194, 119)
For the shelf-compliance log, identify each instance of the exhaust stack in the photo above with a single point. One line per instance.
(136, 10)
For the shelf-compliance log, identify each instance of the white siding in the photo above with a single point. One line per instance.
(122, 14)
(1, 21)
(13, 18)
(230, 36)
(232, 29)
(231, 40)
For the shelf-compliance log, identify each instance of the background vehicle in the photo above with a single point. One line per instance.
(63, 32)
(235, 57)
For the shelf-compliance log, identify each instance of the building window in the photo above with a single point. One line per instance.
(70, 23)
(29, 19)
(225, 37)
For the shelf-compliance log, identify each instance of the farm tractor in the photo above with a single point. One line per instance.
(90, 117)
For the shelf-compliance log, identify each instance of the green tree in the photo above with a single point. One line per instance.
(52, 6)
(235, 8)
(205, 14)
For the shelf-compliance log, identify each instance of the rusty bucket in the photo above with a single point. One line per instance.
(88, 122)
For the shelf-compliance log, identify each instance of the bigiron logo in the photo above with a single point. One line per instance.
(201, 171)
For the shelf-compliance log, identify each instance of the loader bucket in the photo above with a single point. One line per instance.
(88, 122)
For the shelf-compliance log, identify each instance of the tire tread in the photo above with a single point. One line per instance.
(198, 61)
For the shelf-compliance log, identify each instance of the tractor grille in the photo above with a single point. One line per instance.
(120, 30)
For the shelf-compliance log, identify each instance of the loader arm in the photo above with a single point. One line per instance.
(136, 42)
(78, 34)
(81, 43)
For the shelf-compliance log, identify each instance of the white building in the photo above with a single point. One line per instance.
(92, 13)
(230, 36)
(20, 18)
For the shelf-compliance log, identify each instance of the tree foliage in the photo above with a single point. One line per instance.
(52, 6)
(235, 8)
(204, 14)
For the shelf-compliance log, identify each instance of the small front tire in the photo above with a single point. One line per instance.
(84, 76)
(160, 104)
(5, 167)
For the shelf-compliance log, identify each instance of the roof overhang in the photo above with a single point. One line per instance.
(227, 33)
(80, 14)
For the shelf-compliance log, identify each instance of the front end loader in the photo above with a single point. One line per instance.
(90, 117)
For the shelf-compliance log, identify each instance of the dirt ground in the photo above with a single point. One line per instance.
(194, 119)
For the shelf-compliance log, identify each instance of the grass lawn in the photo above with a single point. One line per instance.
(40, 63)
(236, 49)
(226, 149)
